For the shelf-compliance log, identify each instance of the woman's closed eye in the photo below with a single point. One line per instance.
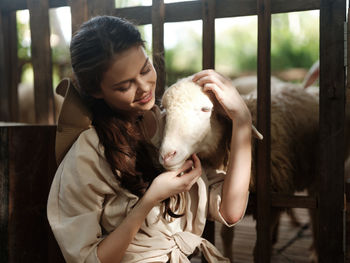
(124, 88)
(146, 70)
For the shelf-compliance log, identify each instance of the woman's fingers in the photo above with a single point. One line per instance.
(209, 79)
(187, 165)
(201, 74)
(192, 176)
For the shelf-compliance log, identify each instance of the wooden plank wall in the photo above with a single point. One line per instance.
(25, 235)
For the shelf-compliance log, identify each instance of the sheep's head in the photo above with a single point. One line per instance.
(190, 124)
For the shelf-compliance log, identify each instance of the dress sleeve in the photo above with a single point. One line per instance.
(76, 200)
(216, 181)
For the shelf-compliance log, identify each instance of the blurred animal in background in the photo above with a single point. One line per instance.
(27, 106)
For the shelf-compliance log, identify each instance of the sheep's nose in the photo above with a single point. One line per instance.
(167, 157)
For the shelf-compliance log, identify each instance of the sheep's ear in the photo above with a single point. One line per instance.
(220, 111)
(218, 108)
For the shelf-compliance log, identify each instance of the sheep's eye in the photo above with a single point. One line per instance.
(206, 109)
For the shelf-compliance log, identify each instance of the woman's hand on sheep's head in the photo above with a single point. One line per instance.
(225, 93)
(177, 181)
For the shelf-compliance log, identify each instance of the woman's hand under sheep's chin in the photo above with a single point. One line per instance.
(225, 93)
(176, 166)
(176, 181)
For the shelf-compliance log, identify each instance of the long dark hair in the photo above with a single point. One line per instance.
(93, 48)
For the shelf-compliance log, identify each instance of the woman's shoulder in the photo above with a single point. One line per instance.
(86, 159)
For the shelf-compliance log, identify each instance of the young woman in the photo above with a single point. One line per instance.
(110, 201)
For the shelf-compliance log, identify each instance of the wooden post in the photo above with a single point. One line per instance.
(41, 59)
(27, 168)
(263, 158)
(85, 9)
(158, 12)
(208, 62)
(79, 12)
(4, 76)
(208, 17)
(11, 63)
(332, 102)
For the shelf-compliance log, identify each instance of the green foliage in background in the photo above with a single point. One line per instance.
(298, 48)
(185, 58)
(236, 46)
(294, 39)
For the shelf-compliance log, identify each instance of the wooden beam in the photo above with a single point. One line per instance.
(263, 153)
(332, 116)
(158, 44)
(41, 60)
(185, 11)
(286, 201)
(15, 5)
(101, 7)
(293, 201)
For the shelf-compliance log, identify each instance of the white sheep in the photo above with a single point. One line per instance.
(193, 125)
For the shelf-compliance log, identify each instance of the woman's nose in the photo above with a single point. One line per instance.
(142, 85)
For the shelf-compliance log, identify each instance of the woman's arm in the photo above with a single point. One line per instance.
(236, 183)
(113, 247)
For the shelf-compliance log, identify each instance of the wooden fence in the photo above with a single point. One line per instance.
(329, 200)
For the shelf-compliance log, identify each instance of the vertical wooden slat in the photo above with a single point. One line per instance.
(41, 60)
(332, 101)
(4, 76)
(79, 13)
(158, 12)
(208, 62)
(208, 17)
(11, 63)
(263, 152)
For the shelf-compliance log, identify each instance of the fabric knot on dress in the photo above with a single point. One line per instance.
(187, 242)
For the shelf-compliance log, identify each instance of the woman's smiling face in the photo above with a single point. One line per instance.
(130, 82)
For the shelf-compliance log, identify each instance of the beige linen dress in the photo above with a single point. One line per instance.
(86, 203)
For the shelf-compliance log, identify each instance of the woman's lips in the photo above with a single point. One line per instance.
(145, 99)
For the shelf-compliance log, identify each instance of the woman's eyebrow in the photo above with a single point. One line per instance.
(127, 80)
(146, 62)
